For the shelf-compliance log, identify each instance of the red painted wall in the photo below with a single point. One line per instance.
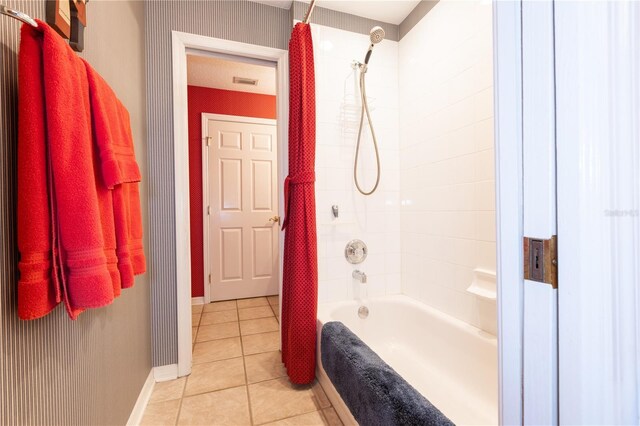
(215, 101)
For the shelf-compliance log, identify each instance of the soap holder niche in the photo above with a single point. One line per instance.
(483, 284)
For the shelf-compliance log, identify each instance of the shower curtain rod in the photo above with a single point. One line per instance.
(309, 12)
(16, 14)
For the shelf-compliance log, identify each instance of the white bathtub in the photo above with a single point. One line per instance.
(451, 363)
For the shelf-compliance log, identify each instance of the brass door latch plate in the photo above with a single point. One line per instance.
(541, 260)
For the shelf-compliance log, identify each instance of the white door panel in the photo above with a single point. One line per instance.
(262, 252)
(231, 252)
(242, 192)
(262, 195)
(230, 184)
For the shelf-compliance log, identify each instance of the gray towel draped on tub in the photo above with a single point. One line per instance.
(373, 391)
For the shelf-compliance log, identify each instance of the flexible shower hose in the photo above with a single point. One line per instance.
(365, 108)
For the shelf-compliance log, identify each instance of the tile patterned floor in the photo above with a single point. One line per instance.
(237, 377)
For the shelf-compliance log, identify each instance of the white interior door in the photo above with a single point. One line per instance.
(241, 218)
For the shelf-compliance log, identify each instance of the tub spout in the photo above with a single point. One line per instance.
(360, 276)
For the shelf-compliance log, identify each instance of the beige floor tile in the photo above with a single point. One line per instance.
(214, 376)
(216, 350)
(253, 313)
(273, 300)
(252, 303)
(260, 325)
(166, 391)
(225, 407)
(161, 413)
(278, 399)
(220, 306)
(309, 419)
(217, 331)
(263, 342)
(320, 396)
(197, 309)
(331, 417)
(195, 320)
(265, 366)
(209, 318)
(194, 333)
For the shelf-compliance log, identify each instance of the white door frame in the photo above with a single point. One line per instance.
(181, 42)
(507, 60)
(206, 250)
(540, 336)
(525, 141)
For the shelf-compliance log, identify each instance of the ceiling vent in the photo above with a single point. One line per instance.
(247, 81)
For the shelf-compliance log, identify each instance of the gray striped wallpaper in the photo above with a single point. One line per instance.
(54, 370)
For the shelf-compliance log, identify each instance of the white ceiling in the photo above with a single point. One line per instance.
(283, 4)
(216, 73)
(391, 11)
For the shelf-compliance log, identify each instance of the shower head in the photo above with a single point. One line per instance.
(376, 35)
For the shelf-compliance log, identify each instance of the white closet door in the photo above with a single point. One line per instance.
(243, 217)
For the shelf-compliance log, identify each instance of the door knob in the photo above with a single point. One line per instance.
(275, 219)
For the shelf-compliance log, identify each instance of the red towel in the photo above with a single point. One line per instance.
(65, 212)
(38, 290)
(300, 273)
(120, 173)
(113, 133)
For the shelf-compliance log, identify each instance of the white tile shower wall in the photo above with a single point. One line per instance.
(447, 158)
(374, 219)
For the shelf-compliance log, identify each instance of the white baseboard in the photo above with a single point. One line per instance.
(197, 300)
(143, 399)
(165, 372)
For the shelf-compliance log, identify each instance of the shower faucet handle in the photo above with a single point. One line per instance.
(355, 252)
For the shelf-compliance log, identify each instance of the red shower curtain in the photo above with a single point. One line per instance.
(300, 279)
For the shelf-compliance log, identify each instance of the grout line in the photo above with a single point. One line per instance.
(214, 391)
(319, 410)
(230, 387)
(199, 319)
(218, 360)
(184, 387)
(455, 157)
(221, 310)
(195, 337)
(244, 365)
